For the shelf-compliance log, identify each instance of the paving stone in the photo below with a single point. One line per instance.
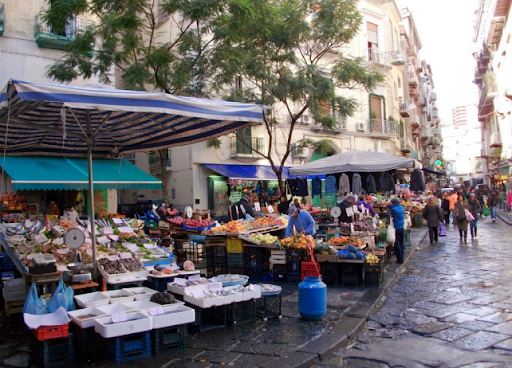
(265, 348)
(506, 345)
(18, 361)
(460, 318)
(480, 340)
(430, 328)
(215, 356)
(252, 359)
(486, 300)
(295, 359)
(325, 345)
(497, 318)
(452, 333)
(482, 311)
(504, 328)
(444, 312)
(476, 325)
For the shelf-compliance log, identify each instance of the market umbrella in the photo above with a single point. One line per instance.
(58, 120)
(353, 161)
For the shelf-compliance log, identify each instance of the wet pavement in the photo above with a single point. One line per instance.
(451, 307)
(286, 342)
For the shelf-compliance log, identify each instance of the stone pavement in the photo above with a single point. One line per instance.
(452, 307)
(286, 342)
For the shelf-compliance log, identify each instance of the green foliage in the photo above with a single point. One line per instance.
(214, 143)
(322, 146)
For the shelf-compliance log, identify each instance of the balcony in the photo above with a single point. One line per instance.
(340, 128)
(436, 132)
(487, 97)
(243, 148)
(2, 19)
(436, 150)
(378, 59)
(413, 78)
(59, 38)
(404, 111)
(416, 154)
(495, 140)
(405, 145)
(384, 128)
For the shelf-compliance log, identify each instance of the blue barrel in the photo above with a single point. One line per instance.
(312, 298)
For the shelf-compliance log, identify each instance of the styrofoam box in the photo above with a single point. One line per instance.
(94, 299)
(187, 289)
(233, 298)
(136, 322)
(252, 294)
(119, 296)
(115, 308)
(11, 296)
(174, 315)
(86, 322)
(205, 303)
(141, 293)
(123, 277)
(142, 305)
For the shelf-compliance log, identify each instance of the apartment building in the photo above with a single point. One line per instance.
(493, 73)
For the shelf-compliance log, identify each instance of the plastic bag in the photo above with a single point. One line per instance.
(469, 215)
(442, 229)
(63, 297)
(487, 211)
(390, 238)
(70, 297)
(34, 304)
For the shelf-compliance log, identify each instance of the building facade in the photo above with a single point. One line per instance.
(493, 73)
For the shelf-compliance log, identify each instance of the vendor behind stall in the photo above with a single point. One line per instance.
(347, 203)
(368, 204)
(284, 204)
(241, 209)
(302, 221)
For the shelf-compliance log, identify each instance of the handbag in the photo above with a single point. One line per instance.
(442, 229)
(390, 238)
(461, 217)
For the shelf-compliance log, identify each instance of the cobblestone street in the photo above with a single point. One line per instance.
(452, 307)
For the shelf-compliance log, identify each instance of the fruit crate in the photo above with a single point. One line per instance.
(51, 332)
(329, 272)
(293, 265)
(54, 352)
(294, 278)
(309, 269)
(373, 279)
(209, 318)
(216, 251)
(242, 312)
(280, 272)
(88, 343)
(130, 347)
(350, 274)
(294, 254)
(236, 260)
(234, 245)
(257, 257)
(417, 221)
(269, 306)
(155, 283)
(169, 339)
(277, 257)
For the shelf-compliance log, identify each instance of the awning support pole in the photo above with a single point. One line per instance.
(91, 192)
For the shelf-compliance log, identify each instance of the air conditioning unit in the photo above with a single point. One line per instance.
(360, 127)
(305, 119)
(296, 154)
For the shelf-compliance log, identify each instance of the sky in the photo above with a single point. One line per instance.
(446, 32)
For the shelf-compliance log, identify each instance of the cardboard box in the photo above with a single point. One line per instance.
(326, 258)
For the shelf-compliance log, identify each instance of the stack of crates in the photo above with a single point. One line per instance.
(53, 346)
(278, 264)
(294, 260)
(350, 274)
(130, 347)
(235, 259)
(169, 339)
(242, 312)
(88, 343)
(373, 274)
(216, 258)
(257, 263)
(329, 271)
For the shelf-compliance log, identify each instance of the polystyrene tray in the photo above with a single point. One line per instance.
(205, 303)
(233, 298)
(115, 308)
(141, 293)
(136, 322)
(123, 277)
(174, 315)
(181, 290)
(142, 305)
(231, 280)
(119, 296)
(94, 299)
(251, 294)
(86, 322)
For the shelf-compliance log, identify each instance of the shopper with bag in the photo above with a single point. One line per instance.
(474, 208)
(445, 206)
(397, 212)
(492, 202)
(434, 216)
(460, 217)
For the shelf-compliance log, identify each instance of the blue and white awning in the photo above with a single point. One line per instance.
(51, 119)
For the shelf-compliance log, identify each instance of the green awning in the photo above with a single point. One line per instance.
(61, 173)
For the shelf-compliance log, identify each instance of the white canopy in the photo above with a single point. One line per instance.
(354, 161)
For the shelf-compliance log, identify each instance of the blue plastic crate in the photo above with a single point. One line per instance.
(169, 339)
(5, 263)
(54, 352)
(235, 260)
(130, 347)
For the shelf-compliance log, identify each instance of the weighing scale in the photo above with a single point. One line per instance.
(335, 213)
(74, 238)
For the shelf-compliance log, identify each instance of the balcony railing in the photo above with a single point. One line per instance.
(2, 19)
(58, 37)
(380, 126)
(245, 148)
(488, 94)
(495, 140)
(376, 57)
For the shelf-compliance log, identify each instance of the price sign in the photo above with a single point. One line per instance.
(195, 277)
(349, 211)
(156, 311)
(179, 281)
(149, 246)
(270, 209)
(119, 317)
(257, 206)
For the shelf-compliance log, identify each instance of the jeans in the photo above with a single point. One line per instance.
(473, 227)
(399, 244)
(432, 234)
(493, 212)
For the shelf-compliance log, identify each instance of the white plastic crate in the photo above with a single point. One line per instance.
(119, 296)
(85, 322)
(115, 308)
(136, 322)
(94, 299)
(141, 293)
(174, 315)
(142, 305)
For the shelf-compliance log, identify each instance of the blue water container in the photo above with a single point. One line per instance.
(312, 298)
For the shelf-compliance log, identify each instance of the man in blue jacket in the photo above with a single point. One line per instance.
(302, 221)
(398, 216)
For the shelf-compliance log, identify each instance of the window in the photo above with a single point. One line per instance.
(130, 157)
(376, 107)
(373, 41)
(238, 82)
(399, 83)
(244, 141)
(396, 91)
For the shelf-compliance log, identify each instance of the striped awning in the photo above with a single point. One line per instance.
(51, 119)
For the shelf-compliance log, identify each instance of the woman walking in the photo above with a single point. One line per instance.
(445, 206)
(460, 218)
(474, 208)
(434, 216)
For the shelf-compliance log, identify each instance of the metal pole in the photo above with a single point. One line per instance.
(91, 192)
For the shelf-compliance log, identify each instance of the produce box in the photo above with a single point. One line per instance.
(277, 256)
(235, 246)
(326, 258)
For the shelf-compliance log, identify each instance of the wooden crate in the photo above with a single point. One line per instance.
(164, 225)
(326, 258)
(13, 307)
(277, 256)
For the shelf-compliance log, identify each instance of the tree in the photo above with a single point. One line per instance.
(290, 54)
(125, 36)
